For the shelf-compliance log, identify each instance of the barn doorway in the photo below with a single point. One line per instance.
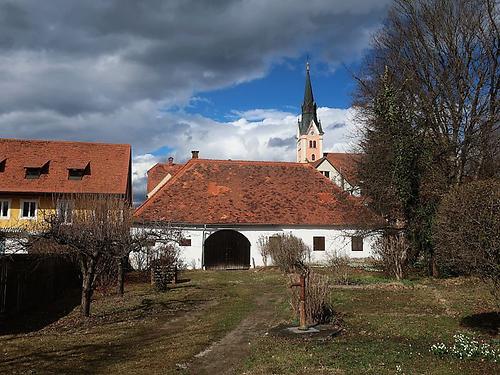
(227, 250)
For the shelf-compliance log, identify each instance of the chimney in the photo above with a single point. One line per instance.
(194, 154)
(325, 154)
(170, 160)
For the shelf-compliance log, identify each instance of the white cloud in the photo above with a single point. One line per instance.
(247, 138)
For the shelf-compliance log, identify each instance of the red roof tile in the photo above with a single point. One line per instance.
(110, 166)
(345, 163)
(159, 171)
(250, 192)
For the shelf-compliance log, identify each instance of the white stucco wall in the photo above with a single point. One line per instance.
(336, 177)
(336, 240)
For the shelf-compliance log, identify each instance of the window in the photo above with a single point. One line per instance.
(75, 174)
(33, 173)
(65, 211)
(357, 243)
(319, 243)
(4, 209)
(28, 209)
(2, 164)
(274, 241)
(314, 144)
(185, 242)
(313, 157)
(3, 245)
(326, 173)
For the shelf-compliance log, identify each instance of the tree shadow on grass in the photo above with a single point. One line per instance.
(488, 322)
(38, 318)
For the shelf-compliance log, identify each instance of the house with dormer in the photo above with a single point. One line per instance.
(36, 175)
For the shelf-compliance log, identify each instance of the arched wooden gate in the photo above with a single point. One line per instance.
(228, 250)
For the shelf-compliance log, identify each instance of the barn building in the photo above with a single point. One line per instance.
(224, 207)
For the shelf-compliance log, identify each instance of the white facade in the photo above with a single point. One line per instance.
(328, 170)
(336, 240)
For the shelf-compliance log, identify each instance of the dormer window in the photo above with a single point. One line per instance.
(34, 172)
(78, 171)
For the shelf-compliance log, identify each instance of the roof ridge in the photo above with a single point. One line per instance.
(254, 162)
(63, 141)
(175, 177)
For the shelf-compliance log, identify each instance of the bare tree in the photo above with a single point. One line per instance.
(286, 251)
(429, 99)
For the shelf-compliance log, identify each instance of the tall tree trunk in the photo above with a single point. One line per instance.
(433, 269)
(120, 277)
(87, 268)
(86, 294)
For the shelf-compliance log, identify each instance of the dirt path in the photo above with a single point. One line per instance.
(224, 356)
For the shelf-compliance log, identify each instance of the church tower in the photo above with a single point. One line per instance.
(309, 131)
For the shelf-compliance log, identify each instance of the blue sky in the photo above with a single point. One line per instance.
(281, 88)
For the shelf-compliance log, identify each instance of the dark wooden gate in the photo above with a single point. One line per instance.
(3, 287)
(227, 250)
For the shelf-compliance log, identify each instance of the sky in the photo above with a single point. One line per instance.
(225, 77)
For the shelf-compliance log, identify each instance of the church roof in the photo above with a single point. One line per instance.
(309, 108)
(253, 193)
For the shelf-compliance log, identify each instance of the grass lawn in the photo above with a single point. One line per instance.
(389, 328)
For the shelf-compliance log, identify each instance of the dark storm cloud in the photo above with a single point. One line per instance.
(337, 125)
(75, 57)
(109, 70)
(282, 142)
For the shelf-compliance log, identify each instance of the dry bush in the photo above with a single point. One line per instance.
(287, 252)
(338, 264)
(318, 308)
(163, 268)
(392, 251)
(467, 232)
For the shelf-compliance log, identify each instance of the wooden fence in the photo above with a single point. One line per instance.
(31, 281)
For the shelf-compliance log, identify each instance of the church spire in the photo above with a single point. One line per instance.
(309, 131)
(309, 106)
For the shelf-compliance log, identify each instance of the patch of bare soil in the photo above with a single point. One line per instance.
(224, 356)
(321, 332)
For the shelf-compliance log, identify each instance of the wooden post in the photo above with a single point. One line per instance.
(302, 302)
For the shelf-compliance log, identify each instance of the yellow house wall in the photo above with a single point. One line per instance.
(45, 205)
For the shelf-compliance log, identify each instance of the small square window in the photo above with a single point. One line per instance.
(185, 242)
(76, 174)
(274, 241)
(33, 173)
(4, 209)
(357, 243)
(327, 174)
(28, 209)
(319, 243)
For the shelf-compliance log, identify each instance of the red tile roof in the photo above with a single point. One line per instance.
(252, 192)
(110, 167)
(159, 171)
(345, 163)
